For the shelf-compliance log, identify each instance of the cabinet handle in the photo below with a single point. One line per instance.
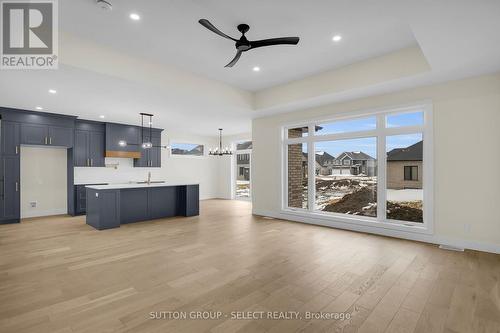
(91, 162)
(17, 187)
(46, 140)
(17, 150)
(50, 140)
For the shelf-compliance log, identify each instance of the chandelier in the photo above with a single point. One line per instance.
(145, 144)
(218, 151)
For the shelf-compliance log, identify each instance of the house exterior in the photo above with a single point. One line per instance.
(243, 166)
(354, 163)
(243, 161)
(322, 165)
(404, 167)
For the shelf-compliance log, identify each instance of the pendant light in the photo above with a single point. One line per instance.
(145, 144)
(219, 151)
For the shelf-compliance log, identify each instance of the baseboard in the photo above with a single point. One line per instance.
(10, 221)
(432, 239)
(41, 213)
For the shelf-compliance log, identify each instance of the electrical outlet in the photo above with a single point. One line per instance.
(467, 228)
(33, 204)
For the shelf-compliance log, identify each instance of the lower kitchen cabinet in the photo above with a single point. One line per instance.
(10, 204)
(81, 198)
(134, 205)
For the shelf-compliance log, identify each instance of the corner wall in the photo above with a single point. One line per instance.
(466, 158)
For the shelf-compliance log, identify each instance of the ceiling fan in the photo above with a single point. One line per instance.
(243, 44)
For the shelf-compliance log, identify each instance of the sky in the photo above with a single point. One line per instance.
(369, 145)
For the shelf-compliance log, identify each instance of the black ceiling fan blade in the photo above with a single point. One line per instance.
(235, 59)
(274, 41)
(211, 27)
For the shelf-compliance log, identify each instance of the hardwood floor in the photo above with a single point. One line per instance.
(59, 275)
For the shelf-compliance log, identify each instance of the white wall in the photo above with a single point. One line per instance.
(466, 157)
(201, 170)
(44, 180)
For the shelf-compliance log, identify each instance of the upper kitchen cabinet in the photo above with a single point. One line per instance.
(10, 138)
(46, 135)
(122, 141)
(89, 144)
(46, 130)
(32, 134)
(151, 157)
(61, 136)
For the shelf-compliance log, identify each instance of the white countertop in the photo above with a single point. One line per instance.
(132, 185)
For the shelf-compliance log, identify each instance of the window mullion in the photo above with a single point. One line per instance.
(381, 170)
(311, 170)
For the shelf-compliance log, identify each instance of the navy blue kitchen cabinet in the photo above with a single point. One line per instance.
(10, 173)
(10, 138)
(81, 198)
(89, 144)
(81, 149)
(150, 158)
(61, 136)
(46, 135)
(103, 209)
(134, 205)
(33, 134)
(108, 207)
(189, 200)
(10, 182)
(116, 133)
(163, 202)
(144, 161)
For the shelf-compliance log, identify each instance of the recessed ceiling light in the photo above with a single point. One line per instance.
(256, 69)
(102, 117)
(135, 17)
(39, 108)
(52, 91)
(337, 38)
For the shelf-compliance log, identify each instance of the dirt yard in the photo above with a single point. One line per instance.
(358, 196)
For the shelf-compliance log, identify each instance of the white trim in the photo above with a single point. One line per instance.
(380, 133)
(420, 237)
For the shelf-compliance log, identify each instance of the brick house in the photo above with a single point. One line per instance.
(404, 167)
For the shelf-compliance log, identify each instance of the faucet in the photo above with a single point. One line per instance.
(149, 178)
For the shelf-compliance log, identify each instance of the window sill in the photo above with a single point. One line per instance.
(410, 227)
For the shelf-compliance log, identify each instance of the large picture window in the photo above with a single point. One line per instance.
(370, 167)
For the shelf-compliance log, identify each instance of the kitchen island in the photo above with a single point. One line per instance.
(109, 206)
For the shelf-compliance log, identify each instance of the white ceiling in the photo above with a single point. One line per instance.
(169, 33)
(169, 65)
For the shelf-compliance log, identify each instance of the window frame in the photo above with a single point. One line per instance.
(380, 133)
(185, 142)
(410, 167)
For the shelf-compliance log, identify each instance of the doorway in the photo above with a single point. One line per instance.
(243, 174)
